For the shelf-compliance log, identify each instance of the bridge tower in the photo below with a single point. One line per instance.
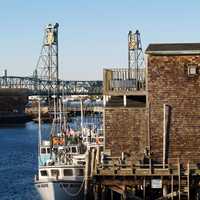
(135, 54)
(47, 65)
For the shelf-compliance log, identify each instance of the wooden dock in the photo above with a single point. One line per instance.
(118, 178)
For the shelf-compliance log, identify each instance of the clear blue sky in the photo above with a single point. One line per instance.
(93, 33)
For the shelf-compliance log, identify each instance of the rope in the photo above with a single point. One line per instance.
(74, 194)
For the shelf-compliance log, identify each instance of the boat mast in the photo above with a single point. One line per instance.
(60, 115)
(39, 129)
(63, 114)
(39, 123)
(81, 102)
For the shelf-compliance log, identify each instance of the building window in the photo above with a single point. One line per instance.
(192, 70)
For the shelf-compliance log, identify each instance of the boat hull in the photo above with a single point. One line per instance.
(60, 190)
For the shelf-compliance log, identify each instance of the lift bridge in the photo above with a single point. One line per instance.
(45, 79)
(33, 86)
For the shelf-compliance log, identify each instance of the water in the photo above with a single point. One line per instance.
(18, 159)
(18, 162)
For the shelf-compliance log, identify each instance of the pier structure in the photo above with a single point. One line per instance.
(152, 128)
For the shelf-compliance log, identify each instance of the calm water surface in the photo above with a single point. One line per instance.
(18, 159)
(18, 162)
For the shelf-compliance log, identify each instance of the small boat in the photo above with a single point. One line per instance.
(60, 174)
(61, 164)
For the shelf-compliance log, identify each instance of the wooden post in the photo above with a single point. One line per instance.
(125, 102)
(98, 155)
(97, 192)
(164, 190)
(86, 176)
(188, 179)
(103, 193)
(104, 100)
(111, 195)
(179, 180)
(93, 162)
(87, 173)
(144, 188)
(164, 134)
(172, 186)
(149, 140)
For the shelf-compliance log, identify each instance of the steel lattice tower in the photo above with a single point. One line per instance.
(47, 66)
(135, 54)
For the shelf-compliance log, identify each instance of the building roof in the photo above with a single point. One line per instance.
(174, 49)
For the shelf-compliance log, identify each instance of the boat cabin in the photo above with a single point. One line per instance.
(61, 173)
(48, 157)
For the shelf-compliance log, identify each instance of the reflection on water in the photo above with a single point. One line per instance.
(12, 125)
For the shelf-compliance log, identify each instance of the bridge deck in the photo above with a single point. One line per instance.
(44, 87)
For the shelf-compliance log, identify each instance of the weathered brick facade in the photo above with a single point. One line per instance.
(168, 83)
(125, 129)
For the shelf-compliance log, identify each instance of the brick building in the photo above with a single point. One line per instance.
(163, 113)
(125, 113)
(173, 79)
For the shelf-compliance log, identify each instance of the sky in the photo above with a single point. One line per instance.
(92, 33)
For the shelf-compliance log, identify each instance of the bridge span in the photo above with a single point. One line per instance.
(33, 86)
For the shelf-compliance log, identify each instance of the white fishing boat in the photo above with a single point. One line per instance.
(61, 164)
(60, 176)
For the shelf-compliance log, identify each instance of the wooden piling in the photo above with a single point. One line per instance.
(87, 174)
(172, 187)
(144, 188)
(179, 180)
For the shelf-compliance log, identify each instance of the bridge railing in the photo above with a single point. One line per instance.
(45, 87)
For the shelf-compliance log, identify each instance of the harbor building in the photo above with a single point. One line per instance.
(173, 87)
(152, 123)
(125, 113)
(162, 113)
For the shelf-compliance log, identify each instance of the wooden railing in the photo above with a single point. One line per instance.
(124, 80)
(116, 166)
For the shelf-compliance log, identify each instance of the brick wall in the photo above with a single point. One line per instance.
(169, 83)
(126, 130)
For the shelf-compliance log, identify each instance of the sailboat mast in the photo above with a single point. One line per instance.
(39, 123)
(63, 112)
(81, 102)
(39, 130)
(60, 115)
